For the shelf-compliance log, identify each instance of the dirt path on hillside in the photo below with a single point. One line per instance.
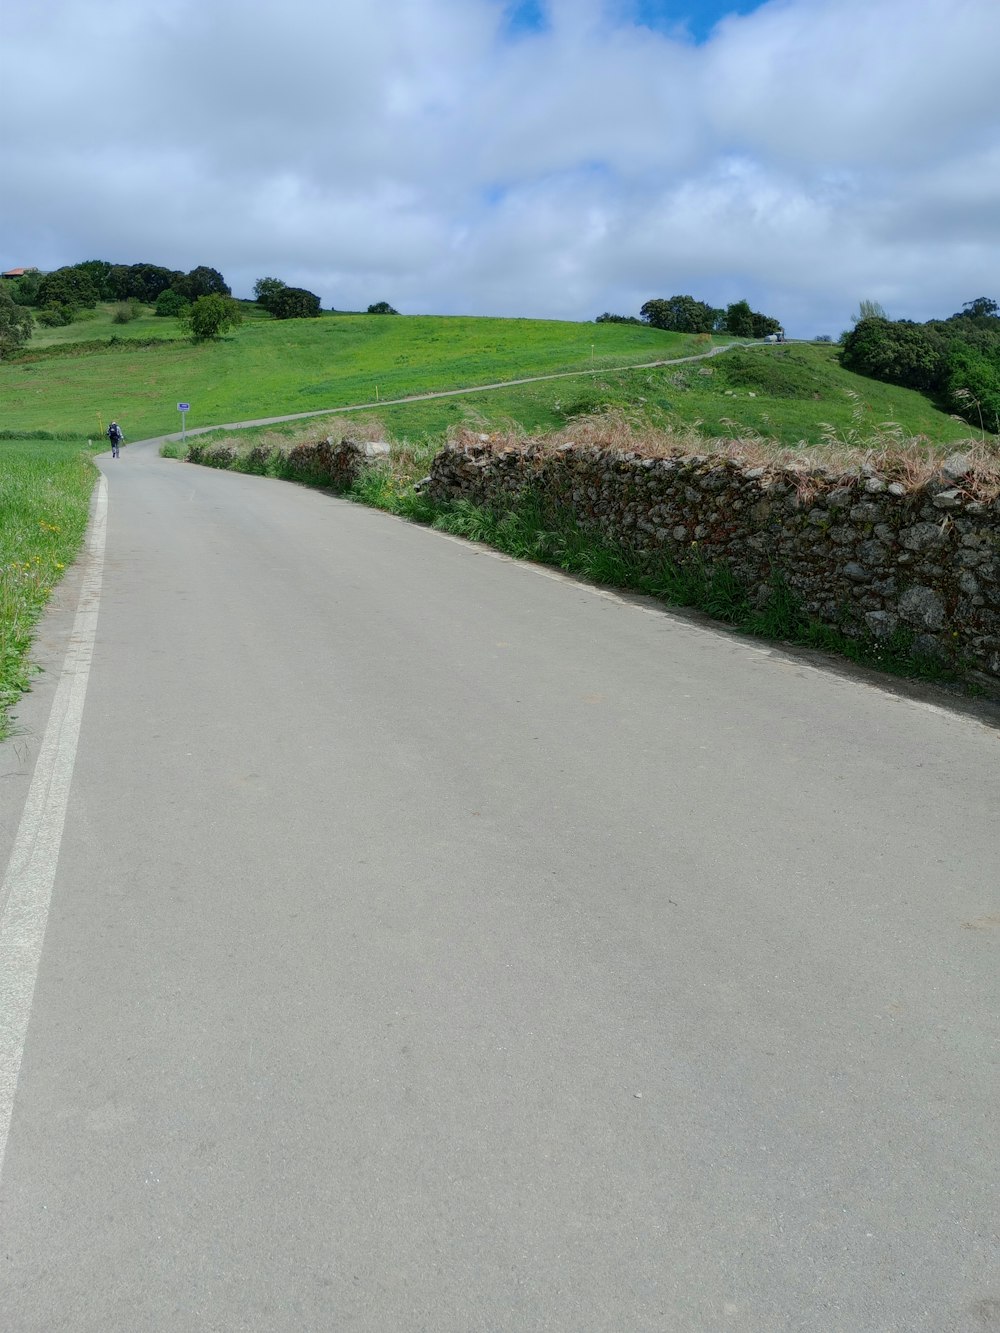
(457, 393)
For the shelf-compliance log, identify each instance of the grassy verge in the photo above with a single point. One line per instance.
(45, 490)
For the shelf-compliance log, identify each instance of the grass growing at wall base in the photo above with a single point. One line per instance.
(530, 531)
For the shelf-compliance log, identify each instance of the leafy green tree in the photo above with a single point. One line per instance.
(382, 308)
(99, 273)
(201, 281)
(983, 307)
(24, 289)
(119, 282)
(763, 324)
(893, 351)
(212, 316)
(972, 386)
(67, 286)
(266, 289)
(15, 324)
(140, 282)
(679, 314)
(293, 303)
(739, 319)
(170, 302)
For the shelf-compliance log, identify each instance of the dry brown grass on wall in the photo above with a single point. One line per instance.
(899, 541)
(912, 461)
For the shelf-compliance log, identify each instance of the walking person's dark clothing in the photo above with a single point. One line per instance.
(115, 435)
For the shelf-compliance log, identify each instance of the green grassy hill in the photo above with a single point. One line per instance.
(270, 367)
(74, 379)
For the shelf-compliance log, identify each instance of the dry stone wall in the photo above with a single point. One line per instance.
(325, 462)
(864, 553)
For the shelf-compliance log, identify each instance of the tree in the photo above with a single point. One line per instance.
(691, 316)
(67, 286)
(869, 310)
(293, 303)
(24, 289)
(266, 289)
(680, 314)
(15, 324)
(201, 281)
(763, 324)
(285, 302)
(99, 273)
(212, 316)
(972, 385)
(140, 282)
(739, 319)
(981, 308)
(894, 351)
(170, 302)
(382, 308)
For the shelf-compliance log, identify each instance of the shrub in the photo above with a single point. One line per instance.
(56, 316)
(212, 316)
(258, 459)
(171, 302)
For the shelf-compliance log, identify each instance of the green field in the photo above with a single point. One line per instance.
(792, 394)
(73, 379)
(45, 492)
(269, 368)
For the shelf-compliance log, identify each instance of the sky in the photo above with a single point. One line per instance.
(536, 158)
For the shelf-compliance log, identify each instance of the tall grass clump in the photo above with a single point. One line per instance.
(45, 493)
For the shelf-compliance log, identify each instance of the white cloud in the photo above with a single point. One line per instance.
(808, 154)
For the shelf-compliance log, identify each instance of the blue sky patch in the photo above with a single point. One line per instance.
(698, 17)
(523, 16)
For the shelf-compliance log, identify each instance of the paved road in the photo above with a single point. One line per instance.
(438, 944)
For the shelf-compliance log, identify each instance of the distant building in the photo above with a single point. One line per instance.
(17, 272)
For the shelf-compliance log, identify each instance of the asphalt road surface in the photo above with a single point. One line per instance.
(399, 937)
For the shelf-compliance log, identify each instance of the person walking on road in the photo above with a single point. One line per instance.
(115, 435)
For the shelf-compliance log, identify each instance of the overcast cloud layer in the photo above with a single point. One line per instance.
(552, 159)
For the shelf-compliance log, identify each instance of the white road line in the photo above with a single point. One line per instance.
(27, 885)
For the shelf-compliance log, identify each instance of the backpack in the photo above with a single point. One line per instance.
(114, 431)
